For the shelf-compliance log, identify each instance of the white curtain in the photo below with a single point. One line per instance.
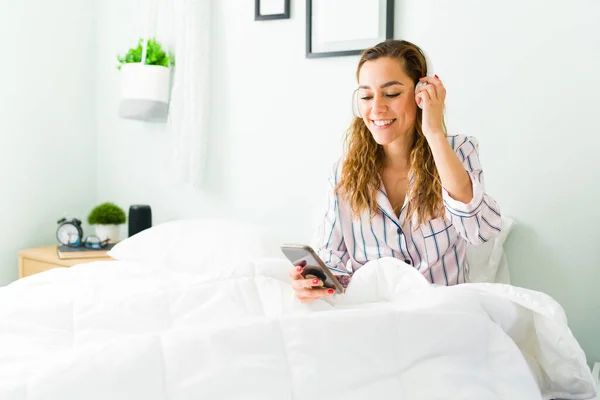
(189, 112)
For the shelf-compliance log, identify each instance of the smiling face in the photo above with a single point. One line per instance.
(386, 99)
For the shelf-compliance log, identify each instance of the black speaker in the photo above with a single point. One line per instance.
(140, 218)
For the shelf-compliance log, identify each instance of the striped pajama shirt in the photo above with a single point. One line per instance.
(436, 248)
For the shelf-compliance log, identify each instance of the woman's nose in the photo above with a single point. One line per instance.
(379, 104)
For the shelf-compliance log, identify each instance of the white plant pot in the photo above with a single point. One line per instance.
(145, 92)
(110, 232)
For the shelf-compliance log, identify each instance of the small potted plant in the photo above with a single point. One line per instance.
(107, 217)
(146, 81)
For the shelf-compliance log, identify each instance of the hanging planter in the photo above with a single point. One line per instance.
(145, 82)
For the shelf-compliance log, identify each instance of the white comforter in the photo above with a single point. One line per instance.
(117, 330)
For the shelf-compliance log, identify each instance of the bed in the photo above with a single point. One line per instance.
(203, 309)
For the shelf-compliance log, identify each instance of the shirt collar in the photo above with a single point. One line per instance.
(384, 202)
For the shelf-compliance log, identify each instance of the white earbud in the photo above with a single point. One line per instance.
(355, 106)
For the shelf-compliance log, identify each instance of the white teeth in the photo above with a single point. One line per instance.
(383, 122)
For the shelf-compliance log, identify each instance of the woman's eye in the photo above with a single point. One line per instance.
(390, 95)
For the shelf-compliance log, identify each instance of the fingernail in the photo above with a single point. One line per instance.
(315, 281)
(299, 269)
(330, 291)
(437, 77)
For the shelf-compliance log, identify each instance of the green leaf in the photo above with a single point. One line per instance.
(107, 214)
(155, 55)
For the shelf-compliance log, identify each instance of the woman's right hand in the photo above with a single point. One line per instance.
(304, 287)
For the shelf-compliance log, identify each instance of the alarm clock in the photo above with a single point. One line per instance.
(69, 233)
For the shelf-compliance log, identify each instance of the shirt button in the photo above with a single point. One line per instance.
(407, 261)
(399, 231)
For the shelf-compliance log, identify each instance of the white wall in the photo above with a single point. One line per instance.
(272, 143)
(47, 121)
(521, 76)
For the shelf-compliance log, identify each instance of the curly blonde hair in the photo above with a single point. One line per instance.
(360, 177)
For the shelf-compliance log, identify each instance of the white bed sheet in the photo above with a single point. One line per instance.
(125, 330)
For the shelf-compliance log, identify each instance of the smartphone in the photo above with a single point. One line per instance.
(315, 267)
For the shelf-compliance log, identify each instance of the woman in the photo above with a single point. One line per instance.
(404, 189)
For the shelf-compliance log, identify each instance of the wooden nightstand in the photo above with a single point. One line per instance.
(32, 261)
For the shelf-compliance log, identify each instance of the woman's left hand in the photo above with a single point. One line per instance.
(433, 96)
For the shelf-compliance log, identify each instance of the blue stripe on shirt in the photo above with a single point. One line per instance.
(385, 237)
(447, 233)
(402, 251)
(342, 258)
(435, 233)
(479, 227)
(490, 207)
(490, 225)
(363, 240)
(472, 145)
(457, 265)
(399, 242)
(353, 241)
(375, 237)
(464, 230)
(437, 249)
(341, 228)
(469, 214)
(418, 252)
(337, 167)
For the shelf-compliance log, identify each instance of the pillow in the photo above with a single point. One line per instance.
(199, 241)
(487, 261)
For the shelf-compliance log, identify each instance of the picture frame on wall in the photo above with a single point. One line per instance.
(265, 10)
(337, 28)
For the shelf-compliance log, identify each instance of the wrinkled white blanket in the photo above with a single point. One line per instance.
(119, 330)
